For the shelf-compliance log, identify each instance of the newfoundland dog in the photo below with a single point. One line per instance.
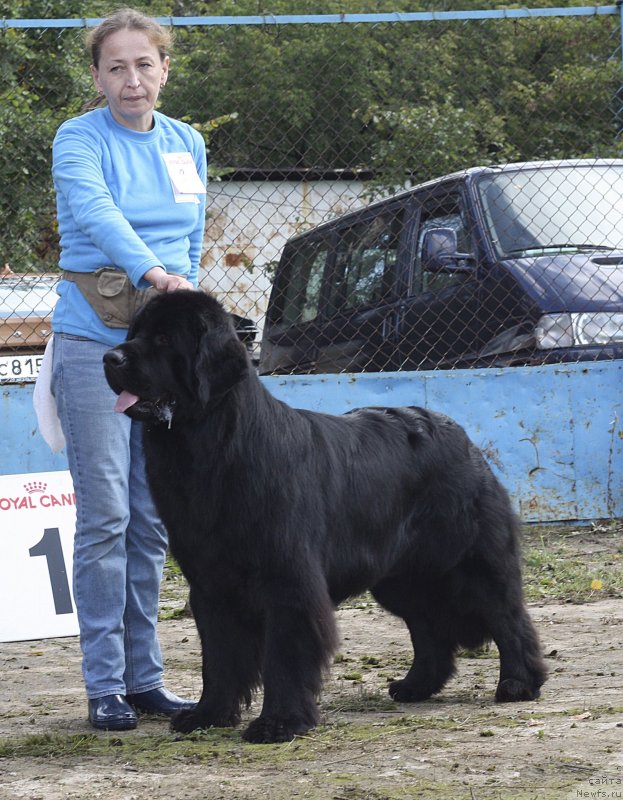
(275, 515)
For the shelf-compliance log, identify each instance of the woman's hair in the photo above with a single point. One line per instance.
(125, 19)
(128, 19)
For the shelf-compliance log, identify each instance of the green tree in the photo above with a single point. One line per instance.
(485, 92)
(411, 100)
(44, 79)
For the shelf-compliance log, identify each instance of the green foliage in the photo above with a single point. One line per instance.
(410, 100)
(38, 91)
(573, 565)
(433, 138)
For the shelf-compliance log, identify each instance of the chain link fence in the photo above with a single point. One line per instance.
(310, 119)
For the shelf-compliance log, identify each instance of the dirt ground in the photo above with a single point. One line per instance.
(461, 745)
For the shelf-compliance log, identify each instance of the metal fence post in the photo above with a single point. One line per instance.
(619, 97)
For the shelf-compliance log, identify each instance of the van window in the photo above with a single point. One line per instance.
(366, 254)
(297, 292)
(435, 214)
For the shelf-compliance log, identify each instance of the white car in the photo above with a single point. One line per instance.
(26, 304)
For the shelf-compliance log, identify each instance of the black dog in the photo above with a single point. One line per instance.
(275, 515)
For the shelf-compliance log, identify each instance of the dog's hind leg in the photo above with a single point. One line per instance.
(231, 644)
(522, 668)
(491, 605)
(492, 591)
(433, 645)
(492, 585)
(301, 637)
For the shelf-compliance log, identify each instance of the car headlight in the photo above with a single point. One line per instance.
(554, 330)
(601, 327)
(589, 328)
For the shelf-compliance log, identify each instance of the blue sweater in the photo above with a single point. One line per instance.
(116, 207)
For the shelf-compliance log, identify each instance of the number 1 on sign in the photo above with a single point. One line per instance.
(51, 547)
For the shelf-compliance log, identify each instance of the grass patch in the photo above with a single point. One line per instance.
(485, 651)
(362, 701)
(173, 592)
(222, 745)
(563, 564)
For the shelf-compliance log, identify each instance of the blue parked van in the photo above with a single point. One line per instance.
(494, 266)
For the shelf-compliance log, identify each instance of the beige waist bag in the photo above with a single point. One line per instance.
(111, 294)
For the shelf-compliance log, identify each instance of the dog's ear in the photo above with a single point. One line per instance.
(222, 362)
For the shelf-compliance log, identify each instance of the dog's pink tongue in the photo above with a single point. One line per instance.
(125, 400)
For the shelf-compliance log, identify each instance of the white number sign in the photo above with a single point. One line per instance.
(37, 521)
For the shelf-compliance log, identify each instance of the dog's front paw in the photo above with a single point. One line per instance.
(194, 718)
(405, 692)
(187, 721)
(264, 730)
(512, 690)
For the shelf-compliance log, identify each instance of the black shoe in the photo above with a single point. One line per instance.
(159, 701)
(112, 713)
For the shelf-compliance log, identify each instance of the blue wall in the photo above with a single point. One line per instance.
(553, 434)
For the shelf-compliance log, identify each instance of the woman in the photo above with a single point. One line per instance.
(131, 211)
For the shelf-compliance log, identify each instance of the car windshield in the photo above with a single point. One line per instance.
(555, 209)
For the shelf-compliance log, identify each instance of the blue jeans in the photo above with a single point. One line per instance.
(120, 543)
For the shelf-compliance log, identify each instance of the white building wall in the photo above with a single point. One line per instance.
(248, 223)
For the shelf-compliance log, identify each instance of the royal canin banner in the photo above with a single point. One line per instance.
(37, 524)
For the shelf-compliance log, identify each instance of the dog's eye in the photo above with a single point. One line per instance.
(161, 340)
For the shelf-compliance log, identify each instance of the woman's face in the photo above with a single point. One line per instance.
(130, 74)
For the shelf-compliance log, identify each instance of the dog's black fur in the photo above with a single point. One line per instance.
(275, 515)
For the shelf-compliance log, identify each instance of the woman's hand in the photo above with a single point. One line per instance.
(164, 282)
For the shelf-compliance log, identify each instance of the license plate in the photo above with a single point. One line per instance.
(20, 368)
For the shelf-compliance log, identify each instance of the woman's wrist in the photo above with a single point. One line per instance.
(163, 281)
(156, 276)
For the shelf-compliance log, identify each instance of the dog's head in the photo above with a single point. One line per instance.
(182, 354)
